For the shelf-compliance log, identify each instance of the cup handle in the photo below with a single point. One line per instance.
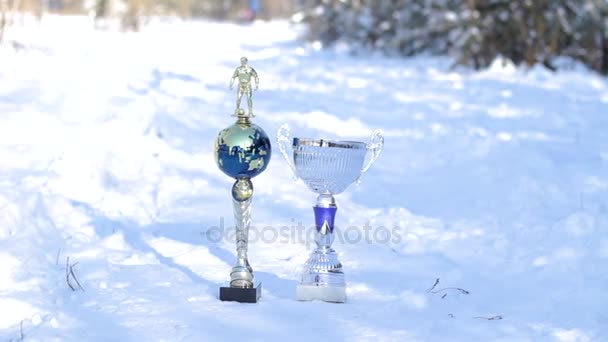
(375, 146)
(284, 142)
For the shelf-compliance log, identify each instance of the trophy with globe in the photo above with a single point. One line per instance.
(327, 167)
(242, 151)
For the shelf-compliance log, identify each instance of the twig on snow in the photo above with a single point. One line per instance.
(74, 276)
(69, 273)
(434, 285)
(57, 258)
(492, 318)
(463, 291)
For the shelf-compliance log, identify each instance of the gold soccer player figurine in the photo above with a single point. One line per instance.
(244, 74)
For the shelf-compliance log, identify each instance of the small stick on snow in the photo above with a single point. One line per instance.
(493, 318)
(74, 276)
(67, 274)
(57, 258)
(434, 285)
(463, 291)
(69, 271)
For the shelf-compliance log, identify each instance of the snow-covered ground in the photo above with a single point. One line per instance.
(494, 182)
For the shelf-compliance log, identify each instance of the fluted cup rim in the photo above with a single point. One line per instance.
(346, 144)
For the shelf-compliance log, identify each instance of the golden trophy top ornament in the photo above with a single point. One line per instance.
(244, 73)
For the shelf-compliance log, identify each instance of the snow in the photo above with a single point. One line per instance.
(494, 182)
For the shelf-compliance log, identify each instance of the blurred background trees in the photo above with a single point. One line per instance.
(475, 32)
(131, 14)
(8, 11)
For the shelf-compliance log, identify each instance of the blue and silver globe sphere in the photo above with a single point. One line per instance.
(242, 150)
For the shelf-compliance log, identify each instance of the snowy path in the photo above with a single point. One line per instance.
(495, 182)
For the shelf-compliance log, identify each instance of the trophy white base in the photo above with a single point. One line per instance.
(334, 294)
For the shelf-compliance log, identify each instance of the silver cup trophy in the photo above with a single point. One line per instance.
(327, 167)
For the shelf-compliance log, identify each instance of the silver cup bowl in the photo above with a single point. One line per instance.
(328, 167)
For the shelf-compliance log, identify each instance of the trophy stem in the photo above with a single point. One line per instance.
(325, 213)
(242, 273)
(323, 278)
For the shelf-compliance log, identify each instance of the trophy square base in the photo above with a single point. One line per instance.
(241, 295)
(333, 294)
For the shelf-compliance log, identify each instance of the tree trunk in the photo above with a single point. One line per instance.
(604, 67)
(2, 19)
